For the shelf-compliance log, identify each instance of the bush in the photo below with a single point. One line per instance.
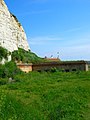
(54, 69)
(3, 53)
(9, 70)
(3, 81)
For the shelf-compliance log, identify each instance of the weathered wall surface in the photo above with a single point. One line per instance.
(25, 67)
(65, 66)
(12, 34)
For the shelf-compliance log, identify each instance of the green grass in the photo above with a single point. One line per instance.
(46, 96)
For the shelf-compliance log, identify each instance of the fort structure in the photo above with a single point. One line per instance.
(12, 35)
(65, 66)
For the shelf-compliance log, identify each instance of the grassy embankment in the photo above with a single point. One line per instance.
(46, 96)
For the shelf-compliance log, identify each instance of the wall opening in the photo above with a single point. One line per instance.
(74, 70)
(67, 70)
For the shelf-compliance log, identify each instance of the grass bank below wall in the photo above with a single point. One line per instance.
(46, 96)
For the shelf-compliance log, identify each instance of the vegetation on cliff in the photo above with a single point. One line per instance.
(3, 53)
(25, 56)
(21, 55)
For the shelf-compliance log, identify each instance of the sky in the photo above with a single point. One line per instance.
(55, 27)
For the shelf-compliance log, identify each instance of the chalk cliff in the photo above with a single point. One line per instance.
(12, 35)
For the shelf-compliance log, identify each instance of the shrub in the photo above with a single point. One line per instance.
(54, 69)
(3, 53)
(9, 70)
(3, 81)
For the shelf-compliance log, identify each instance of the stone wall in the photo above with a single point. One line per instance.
(63, 66)
(12, 34)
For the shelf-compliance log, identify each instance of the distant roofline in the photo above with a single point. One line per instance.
(62, 63)
(54, 63)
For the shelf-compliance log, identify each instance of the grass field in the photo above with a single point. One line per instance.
(46, 96)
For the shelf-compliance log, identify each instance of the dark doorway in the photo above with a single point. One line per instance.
(74, 70)
(67, 70)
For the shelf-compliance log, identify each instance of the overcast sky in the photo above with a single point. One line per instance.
(55, 26)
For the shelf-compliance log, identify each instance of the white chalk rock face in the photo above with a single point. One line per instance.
(12, 35)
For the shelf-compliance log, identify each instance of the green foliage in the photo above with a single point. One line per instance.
(46, 96)
(25, 56)
(8, 70)
(3, 53)
(3, 81)
(54, 69)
